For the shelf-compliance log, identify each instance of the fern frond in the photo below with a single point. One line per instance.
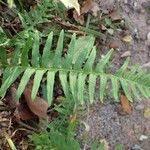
(75, 69)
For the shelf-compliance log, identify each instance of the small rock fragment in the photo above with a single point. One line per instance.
(126, 54)
(143, 137)
(136, 147)
(147, 65)
(148, 37)
(139, 107)
(148, 22)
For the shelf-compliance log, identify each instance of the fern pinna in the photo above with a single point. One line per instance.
(75, 69)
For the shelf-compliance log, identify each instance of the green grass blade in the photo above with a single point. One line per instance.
(103, 82)
(125, 88)
(25, 50)
(15, 56)
(3, 56)
(115, 88)
(142, 90)
(25, 79)
(36, 82)
(92, 86)
(122, 70)
(46, 52)
(132, 72)
(80, 60)
(135, 91)
(58, 52)
(73, 84)
(81, 87)
(89, 64)
(11, 78)
(6, 73)
(103, 61)
(84, 43)
(64, 82)
(35, 50)
(69, 57)
(50, 86)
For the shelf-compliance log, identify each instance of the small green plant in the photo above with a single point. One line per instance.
(42, 13)
(74, 69)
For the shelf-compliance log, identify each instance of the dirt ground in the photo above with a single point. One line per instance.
(106, 121)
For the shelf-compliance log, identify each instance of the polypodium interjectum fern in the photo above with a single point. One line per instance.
(74, 69)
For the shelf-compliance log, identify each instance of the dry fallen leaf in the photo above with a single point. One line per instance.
(87, 6)
(72, 4)
(125, 104)
(114, 44)
(115, 15)
(147, 113)
(38, 106)
(90, 5)
(23, 112)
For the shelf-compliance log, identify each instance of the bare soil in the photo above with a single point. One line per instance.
(106, 121)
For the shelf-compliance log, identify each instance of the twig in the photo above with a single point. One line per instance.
(28, 127)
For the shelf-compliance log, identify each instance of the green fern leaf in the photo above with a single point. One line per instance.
(115, 88)
(50, 84)
(92, 85)
(46, 52)
(35, 50)
(11, 78)
(36, 82)
(81, 87)
(75, 69)
(103, 82)
(25, 79)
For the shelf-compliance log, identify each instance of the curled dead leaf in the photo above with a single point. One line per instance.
(90, 5)
(38, 106)
(72, 4)
(126, 107)
(87, 6)
(23, 112)
(114, 44)
(115, 15)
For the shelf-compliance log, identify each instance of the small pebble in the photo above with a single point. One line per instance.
(148, 37)
(139, 107)
(136, 147)
(148, 22)
(143, 137)
(144, 5)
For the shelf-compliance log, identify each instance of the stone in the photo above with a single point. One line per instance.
(139, 107)
(136, 147)
(143, 137)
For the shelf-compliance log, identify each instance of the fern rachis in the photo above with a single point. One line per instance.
(74, 69)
